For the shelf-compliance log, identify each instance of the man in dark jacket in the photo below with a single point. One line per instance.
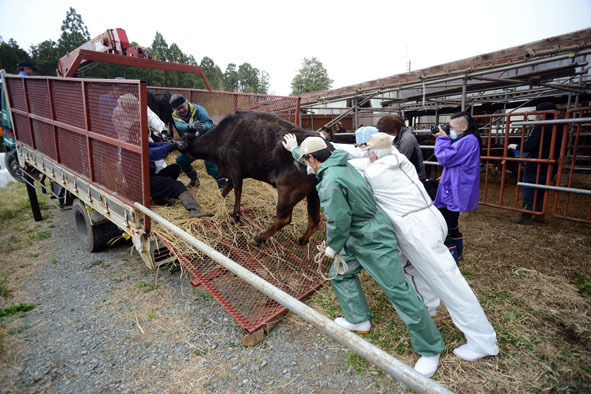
(163, 183)
(404, 141)
(539, 136)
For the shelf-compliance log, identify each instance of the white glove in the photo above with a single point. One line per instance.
(330, 252)
(290, 142)
(512, 146)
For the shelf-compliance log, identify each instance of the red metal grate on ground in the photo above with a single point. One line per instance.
(281, 261)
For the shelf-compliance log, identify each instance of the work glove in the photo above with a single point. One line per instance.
(330, 252)
(178, 144)
(290, 142)
(165, 136)
(197, 126)
(512, 146)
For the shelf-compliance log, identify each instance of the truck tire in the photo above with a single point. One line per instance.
(93, 236)
(14, 169)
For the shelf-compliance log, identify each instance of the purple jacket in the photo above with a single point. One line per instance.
(460, 180)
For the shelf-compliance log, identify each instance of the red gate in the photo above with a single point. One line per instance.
(499, 133)
(575, 156)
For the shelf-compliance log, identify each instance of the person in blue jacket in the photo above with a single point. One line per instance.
(193, 119)
(163, 183)
(459, 154)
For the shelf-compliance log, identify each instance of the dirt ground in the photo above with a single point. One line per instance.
(534, 283)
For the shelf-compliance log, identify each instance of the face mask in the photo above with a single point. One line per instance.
(453, 134)
(310, 170)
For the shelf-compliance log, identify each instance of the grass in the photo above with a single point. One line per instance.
(145, 286)
(4, 290)
(18, 330)
(43, 234)
(583, 284)
(20, 239)
(16, 309)
(358, 363)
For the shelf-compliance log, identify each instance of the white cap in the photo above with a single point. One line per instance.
(379, 141)
(312, 144)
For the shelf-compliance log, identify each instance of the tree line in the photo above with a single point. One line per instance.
(236, 78)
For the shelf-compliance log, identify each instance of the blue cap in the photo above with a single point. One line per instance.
(362, 134)
(176, 100)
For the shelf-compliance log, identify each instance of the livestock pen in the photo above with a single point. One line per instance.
(64, 137)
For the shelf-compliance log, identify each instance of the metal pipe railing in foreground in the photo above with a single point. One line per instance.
(551, 121)
(557, 188)
(375, 355)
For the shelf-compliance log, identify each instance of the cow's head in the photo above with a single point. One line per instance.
(185, 144)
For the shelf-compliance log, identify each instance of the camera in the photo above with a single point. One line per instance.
(434, 129)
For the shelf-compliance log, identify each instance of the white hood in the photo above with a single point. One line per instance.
(395, 172)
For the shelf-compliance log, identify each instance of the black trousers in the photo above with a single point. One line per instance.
(451, 218)
(164, 184)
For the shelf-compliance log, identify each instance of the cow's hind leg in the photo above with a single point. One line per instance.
(237, 197)
(313, 217)
(287, 198)
(228, 188)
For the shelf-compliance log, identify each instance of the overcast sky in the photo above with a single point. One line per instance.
(356, 41)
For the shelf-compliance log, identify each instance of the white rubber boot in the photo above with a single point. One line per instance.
(362, 328)
(465, 353)
(427, 365)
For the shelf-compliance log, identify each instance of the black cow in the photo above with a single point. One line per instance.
(160, 104)
(249, 145)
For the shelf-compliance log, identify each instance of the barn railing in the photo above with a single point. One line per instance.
(568, 163)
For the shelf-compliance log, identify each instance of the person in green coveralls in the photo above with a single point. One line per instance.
(365, 239)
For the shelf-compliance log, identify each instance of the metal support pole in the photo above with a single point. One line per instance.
(580, 85)
(465, 81)
(356, 113)
(375, 355)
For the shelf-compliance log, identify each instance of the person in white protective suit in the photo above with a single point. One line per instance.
(421, 231)
(361, 135)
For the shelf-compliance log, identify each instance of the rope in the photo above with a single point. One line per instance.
(516, 271)
(341, 266)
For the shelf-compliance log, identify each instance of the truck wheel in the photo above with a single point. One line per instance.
(13, 167)
(93, 236)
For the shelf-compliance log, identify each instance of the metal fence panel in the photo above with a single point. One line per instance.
(219, 104)
(96, 128)
(575, 161)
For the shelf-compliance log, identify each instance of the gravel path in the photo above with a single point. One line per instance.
(104, 323)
